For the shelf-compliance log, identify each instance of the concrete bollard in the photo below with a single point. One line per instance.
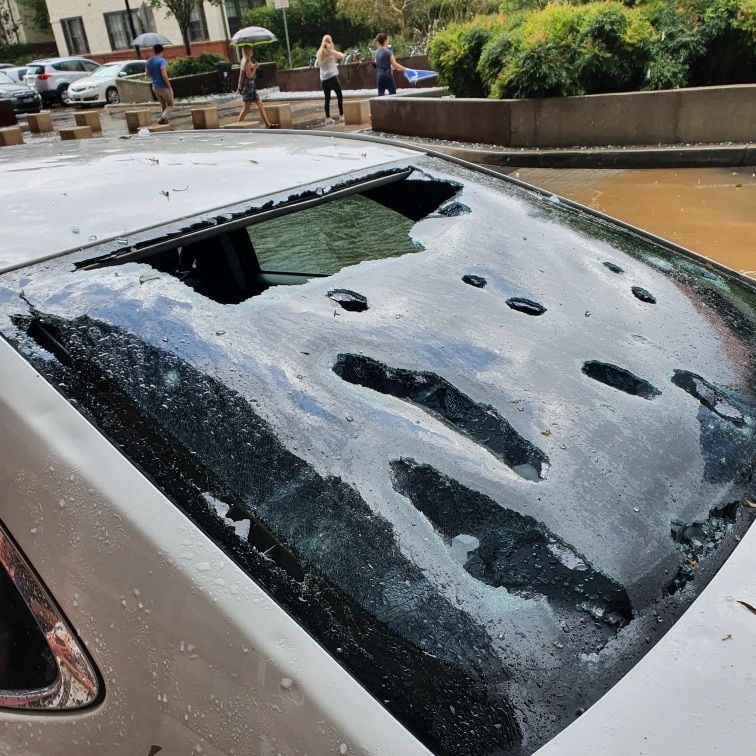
(158, 127)
(280, 114)
(75, 132)
(137, 119)
(356, 112)
(89, 118)
(11, 135)
(205, 117)
(39, 123)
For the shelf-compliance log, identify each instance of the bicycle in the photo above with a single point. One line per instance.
(353, 57)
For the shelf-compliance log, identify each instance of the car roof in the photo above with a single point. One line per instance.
(40, 61)
(368, 439)
(92, 195)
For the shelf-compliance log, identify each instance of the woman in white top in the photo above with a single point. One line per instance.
(329, 76)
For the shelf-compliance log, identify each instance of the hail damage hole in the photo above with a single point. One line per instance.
(313, 235)
(613, 267)
(504, 548)
(644, 296)
(45, 335)
(710, 396)
(348, 300)
(453, 209)
(414, 198)
(620, 379)
(526, 306)
(480, 422)
(477, 281)
(699, 539)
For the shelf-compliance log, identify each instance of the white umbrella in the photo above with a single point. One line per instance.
(253, 35)
(150, 39)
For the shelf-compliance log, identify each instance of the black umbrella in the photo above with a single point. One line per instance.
(150, 39)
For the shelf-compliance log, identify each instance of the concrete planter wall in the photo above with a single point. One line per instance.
(678, 116)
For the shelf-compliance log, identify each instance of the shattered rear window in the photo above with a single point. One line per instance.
(484, 473)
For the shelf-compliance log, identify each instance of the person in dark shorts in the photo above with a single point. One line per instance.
(161, 85)
(325, 59)
(247, 87)
(386, 64)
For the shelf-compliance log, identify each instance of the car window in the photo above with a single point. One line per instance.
(33, 70)
(5, 79)
(68, 65)
(108, 71)
(88, 65)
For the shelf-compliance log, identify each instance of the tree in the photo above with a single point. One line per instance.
(8, 25)
(181, 10)
(38, 13)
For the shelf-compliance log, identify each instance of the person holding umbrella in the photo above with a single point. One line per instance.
(161, 84)
(325, 59)
(247, 87)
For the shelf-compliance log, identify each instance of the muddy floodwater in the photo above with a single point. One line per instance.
(711, 211)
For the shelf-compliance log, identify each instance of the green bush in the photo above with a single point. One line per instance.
(728, 32)
(588, 48)
(454, 53)
(568, 50)
(203, 63)
(18, 55)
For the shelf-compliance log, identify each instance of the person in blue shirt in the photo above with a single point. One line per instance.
(386, 64)
(161, 85)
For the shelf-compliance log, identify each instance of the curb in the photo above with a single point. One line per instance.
(700, 156)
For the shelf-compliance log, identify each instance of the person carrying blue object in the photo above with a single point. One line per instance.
(386, 64)
(161, 85)
(329, 76)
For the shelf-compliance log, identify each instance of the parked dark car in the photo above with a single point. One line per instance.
(25, 99)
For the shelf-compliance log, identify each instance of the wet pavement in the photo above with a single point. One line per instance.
(707, 210)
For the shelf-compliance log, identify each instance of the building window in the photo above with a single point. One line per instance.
(75, 36)
(234, 11)
(197, 24)
(119, 30)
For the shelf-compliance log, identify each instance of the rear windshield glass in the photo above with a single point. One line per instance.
(34, 70)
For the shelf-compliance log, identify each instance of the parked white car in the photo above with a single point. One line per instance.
(316, 443)
(100, 87)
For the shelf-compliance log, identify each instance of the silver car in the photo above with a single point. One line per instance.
(51, 77)
(323, 444)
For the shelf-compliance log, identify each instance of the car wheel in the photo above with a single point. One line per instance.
(63, 94)
(112, 96)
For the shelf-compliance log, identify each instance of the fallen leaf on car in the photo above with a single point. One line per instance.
(546, 432)
(750, 503)
(747, 606)
(727, 637)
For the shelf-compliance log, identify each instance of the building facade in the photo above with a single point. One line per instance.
(103, 29)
